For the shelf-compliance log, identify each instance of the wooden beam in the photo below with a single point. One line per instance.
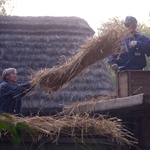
(111, 104)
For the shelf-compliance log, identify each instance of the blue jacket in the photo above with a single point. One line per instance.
(10, 96)
(133, 58)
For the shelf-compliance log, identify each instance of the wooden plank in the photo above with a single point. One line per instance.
(122, 83)
(140, 89)
(146, 98)
(140, 81)
(133, 82)
(140, 77)
(141, 113)
(112, 104)
(145, 143)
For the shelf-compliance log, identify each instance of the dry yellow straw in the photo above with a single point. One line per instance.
(95, 49)
(75, 126)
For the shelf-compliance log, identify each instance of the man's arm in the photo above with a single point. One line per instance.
(112, 62)
(14, 89)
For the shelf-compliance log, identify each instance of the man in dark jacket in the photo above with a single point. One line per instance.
(135, 48)
(12, 92)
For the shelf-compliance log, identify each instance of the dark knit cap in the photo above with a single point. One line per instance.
(130, 20)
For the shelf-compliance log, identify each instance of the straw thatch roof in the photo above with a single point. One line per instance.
(33, 43)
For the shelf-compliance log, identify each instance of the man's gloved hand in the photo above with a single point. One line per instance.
(114, 67)
(132, 44)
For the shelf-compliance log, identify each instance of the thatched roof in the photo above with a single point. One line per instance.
(33, 43)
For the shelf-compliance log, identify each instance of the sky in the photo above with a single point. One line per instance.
(95, 12)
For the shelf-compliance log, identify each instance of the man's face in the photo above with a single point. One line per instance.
(12, 77)
(131, 27)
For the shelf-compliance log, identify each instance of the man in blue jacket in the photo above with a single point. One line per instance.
(12, 92)
(135, 48)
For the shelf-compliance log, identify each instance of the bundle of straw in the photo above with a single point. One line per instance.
(95, 49)
(76, 126)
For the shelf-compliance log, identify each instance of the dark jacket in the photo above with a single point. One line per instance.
(10, 96)
(133, 58)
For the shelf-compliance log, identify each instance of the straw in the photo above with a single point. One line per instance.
(96, 48)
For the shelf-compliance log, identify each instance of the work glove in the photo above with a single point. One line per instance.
(114, 67)
(132, 44)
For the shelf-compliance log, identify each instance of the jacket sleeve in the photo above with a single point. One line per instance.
(25, 88)
(112, 59)
(14, 89)
(144, 45)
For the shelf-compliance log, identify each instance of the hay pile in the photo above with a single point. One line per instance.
(96, 48)
(75, 126)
